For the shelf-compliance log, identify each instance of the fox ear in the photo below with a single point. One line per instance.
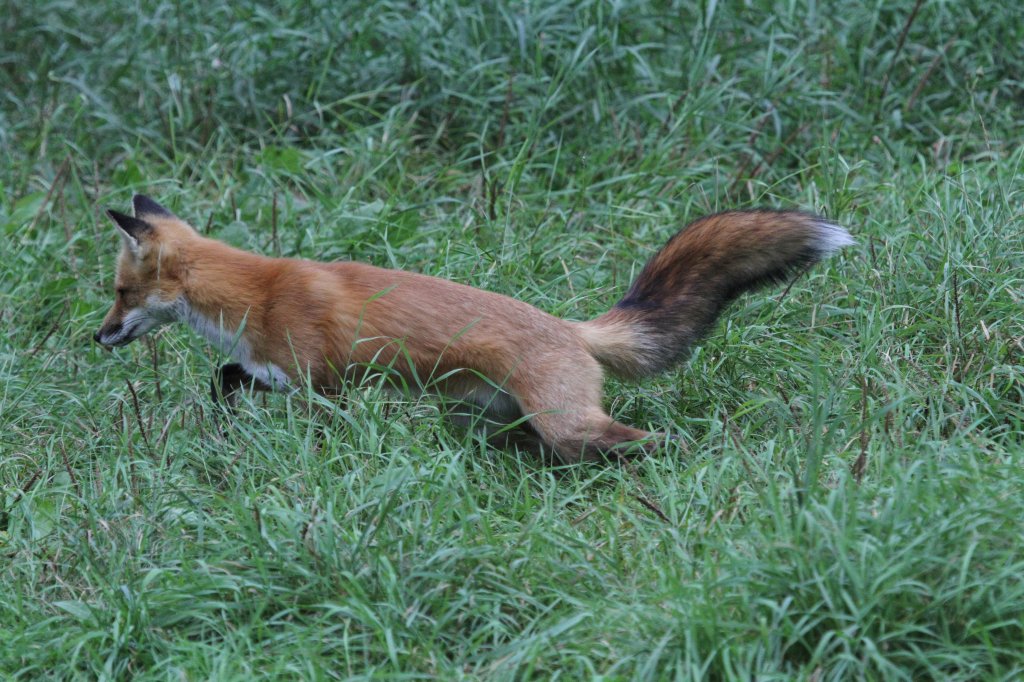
(132, 230)
(143, 205)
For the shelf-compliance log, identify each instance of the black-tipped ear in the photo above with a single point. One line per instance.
(145, 206)
(132, 227)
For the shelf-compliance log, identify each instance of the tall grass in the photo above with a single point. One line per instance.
(846, 501)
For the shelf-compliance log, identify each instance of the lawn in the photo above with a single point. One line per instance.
(846, 498)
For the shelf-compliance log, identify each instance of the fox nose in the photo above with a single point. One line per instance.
(105, 330)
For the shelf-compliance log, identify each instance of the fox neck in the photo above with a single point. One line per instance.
(223, 297)
(217, 328)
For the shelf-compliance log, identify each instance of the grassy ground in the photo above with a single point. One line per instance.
(847, 502)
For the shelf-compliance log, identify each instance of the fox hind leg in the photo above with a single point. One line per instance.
(593, 436)
(564, 408)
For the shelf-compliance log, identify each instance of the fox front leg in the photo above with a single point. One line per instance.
(228, 379)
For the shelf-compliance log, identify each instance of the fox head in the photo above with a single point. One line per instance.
(148, 289)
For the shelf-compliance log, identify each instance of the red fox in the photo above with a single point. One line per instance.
(287, 321)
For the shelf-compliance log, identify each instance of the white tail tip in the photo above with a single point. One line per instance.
(832, 237)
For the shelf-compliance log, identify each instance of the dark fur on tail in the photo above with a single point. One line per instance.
(684, 288)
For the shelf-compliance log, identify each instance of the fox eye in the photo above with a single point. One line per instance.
(121, 292)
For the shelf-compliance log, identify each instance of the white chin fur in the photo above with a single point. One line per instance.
(137, 322)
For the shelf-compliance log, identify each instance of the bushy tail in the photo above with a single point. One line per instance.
(684, 288)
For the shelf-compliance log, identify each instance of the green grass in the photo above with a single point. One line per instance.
(847, 502)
